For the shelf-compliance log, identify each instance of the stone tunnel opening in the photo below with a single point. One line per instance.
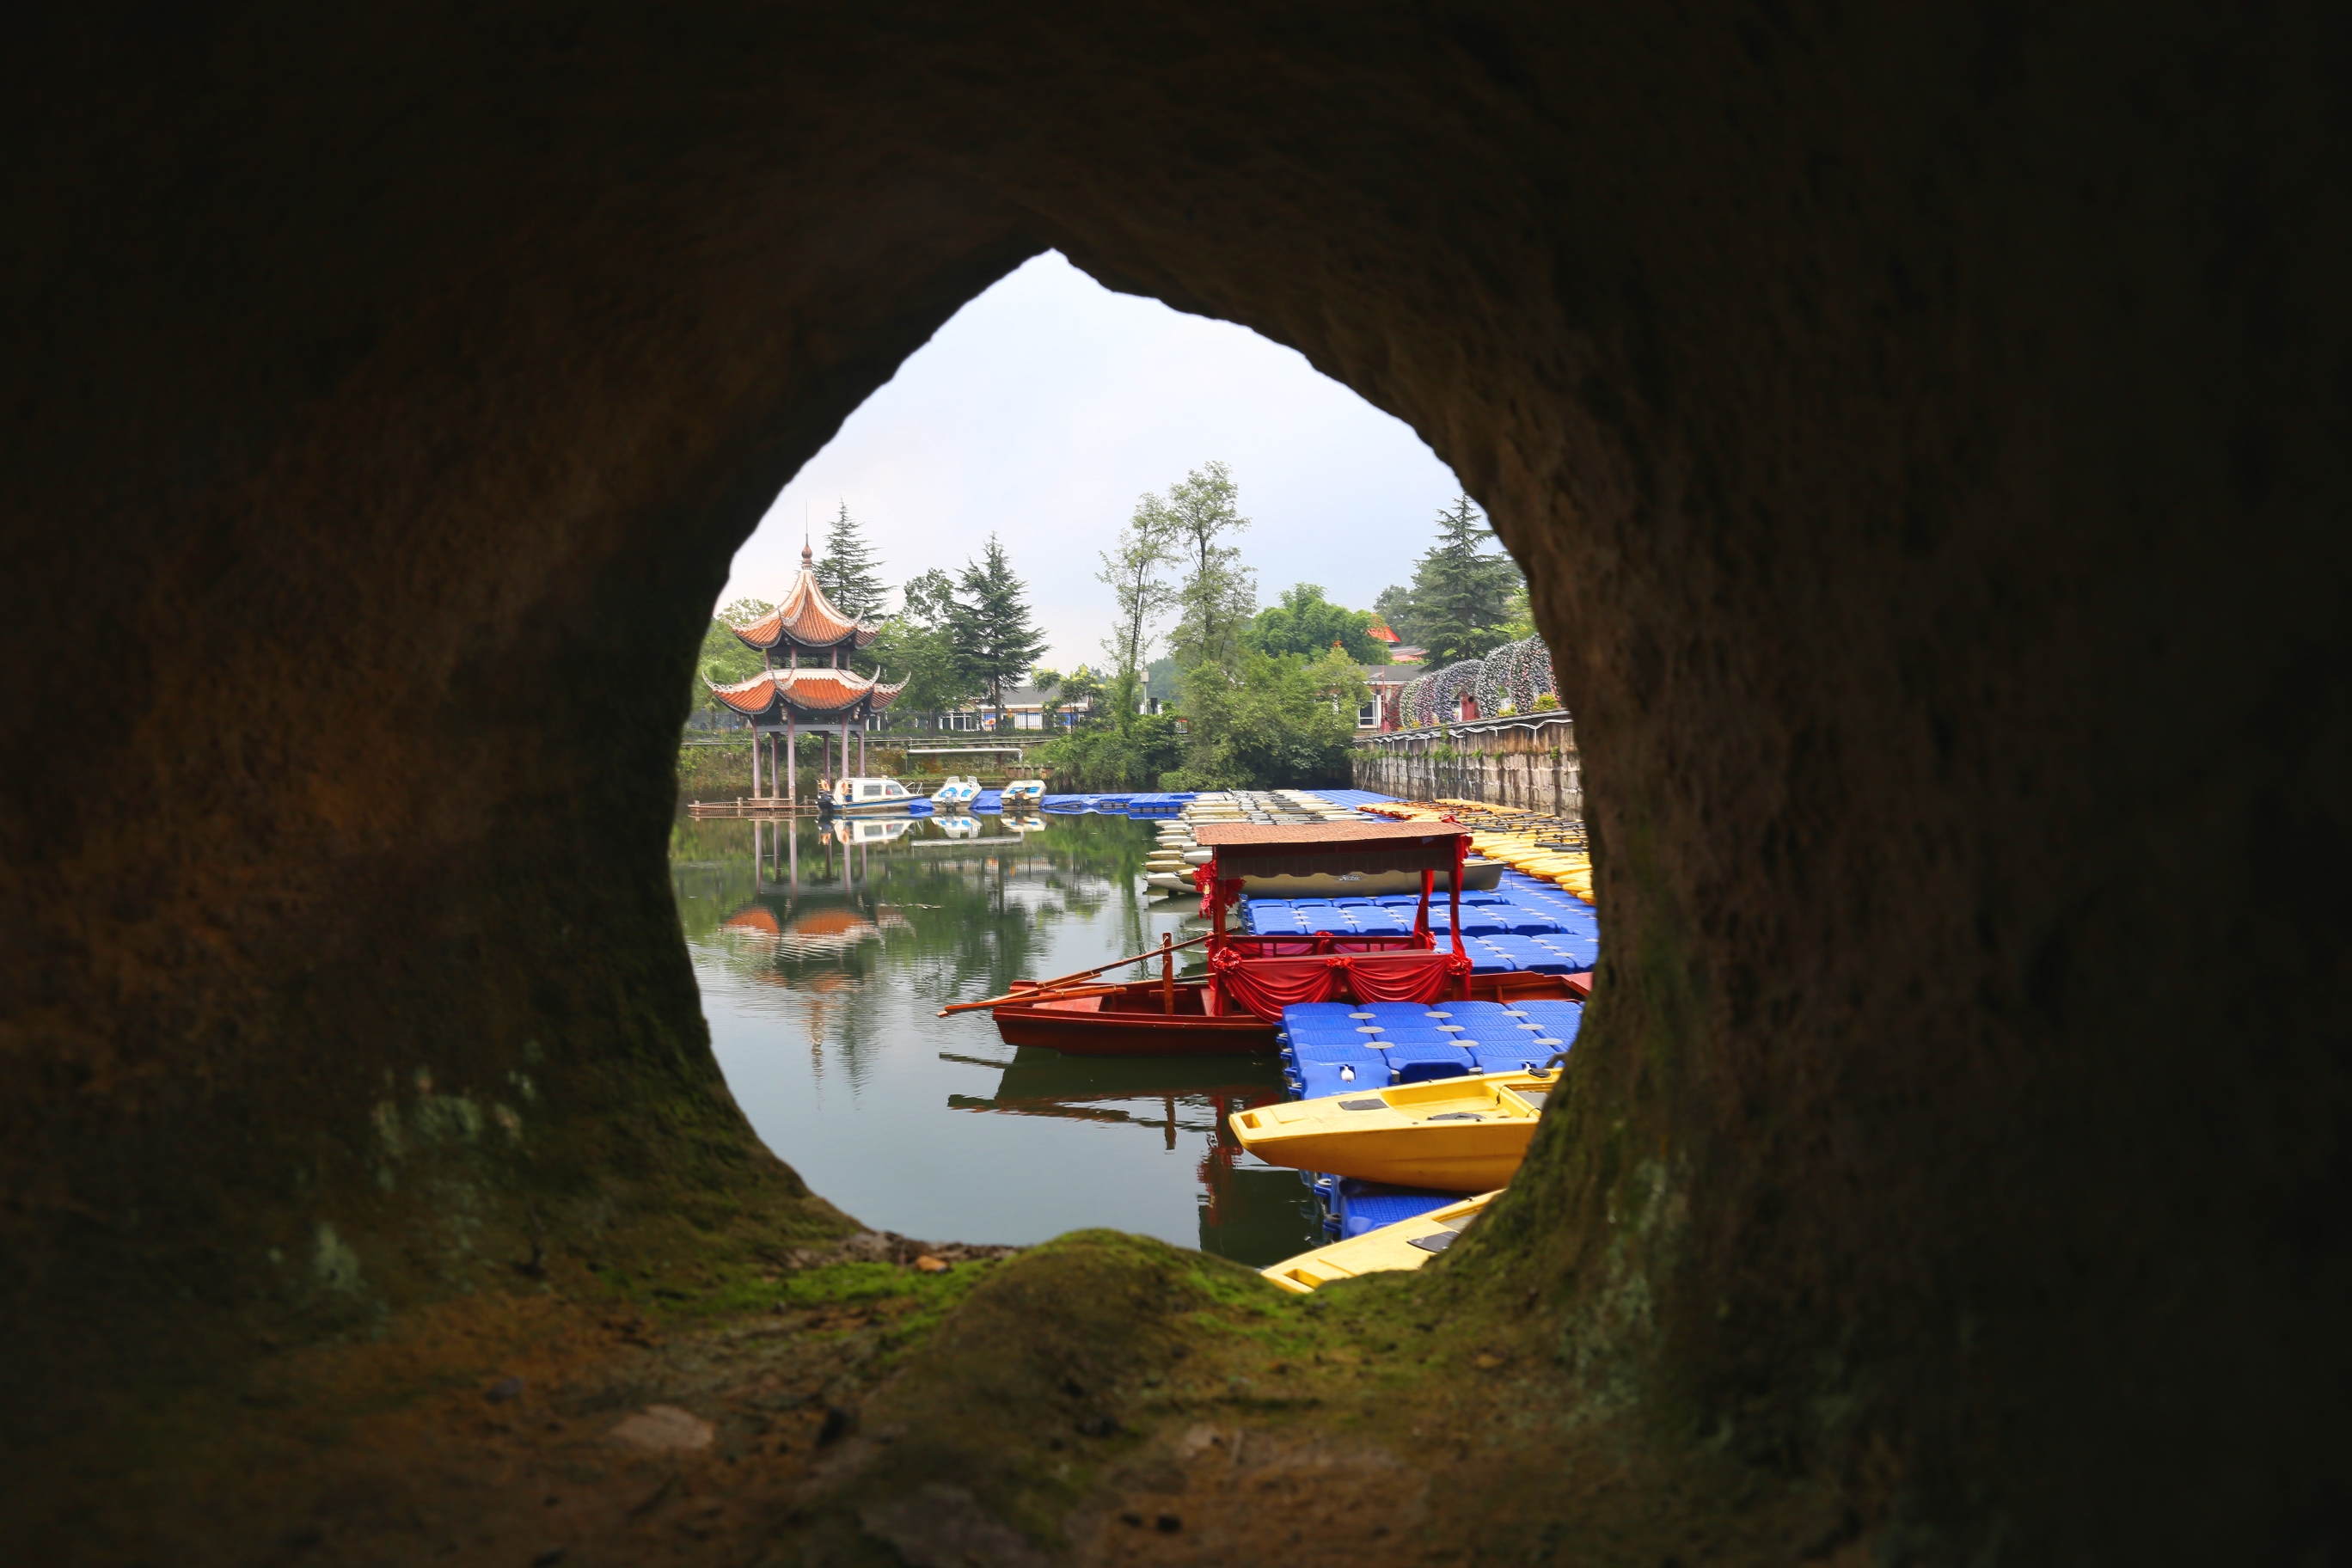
(1921, 432)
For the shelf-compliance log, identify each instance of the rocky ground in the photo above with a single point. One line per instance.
(1100, 1399)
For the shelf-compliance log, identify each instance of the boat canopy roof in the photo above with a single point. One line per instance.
(1311, 849)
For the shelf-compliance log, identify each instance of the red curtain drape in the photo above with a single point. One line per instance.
(1384, 942)
(1266, 985)
(1274, 946)
(1402, 976)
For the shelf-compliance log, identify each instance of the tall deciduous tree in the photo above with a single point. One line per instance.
(849, 571)
(1133, 570)
(1462, 592)
(1218, 594)
(989, 626)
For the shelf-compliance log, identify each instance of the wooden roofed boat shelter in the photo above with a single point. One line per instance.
(1238, 1006)
(1267, 973)
(828, 699)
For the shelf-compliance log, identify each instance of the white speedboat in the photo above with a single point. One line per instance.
(866, 798)
(957, 793)
(1024, 795)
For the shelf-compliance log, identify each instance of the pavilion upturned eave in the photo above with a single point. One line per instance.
(814, 696)
(806, 621)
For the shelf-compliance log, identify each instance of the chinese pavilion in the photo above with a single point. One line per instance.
(818, 692)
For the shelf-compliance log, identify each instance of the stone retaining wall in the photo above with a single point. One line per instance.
(1534, 767)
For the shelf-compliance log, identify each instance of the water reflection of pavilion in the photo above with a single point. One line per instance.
(830, 929)
(1239, 1197)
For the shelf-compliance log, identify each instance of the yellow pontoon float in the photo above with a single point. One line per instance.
(1456, 1134)
(1408, 1244)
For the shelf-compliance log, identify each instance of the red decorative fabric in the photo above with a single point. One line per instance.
(1266, 985)
(1275, 946)
(1402, 976)
(1399, 943)
(1453, 921)
(1212, 892)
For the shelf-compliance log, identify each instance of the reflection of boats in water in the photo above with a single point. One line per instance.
(1027, 823)
(1247, 1210)
(959, 826)
(1050, 1075)
(822, 931)
(871, 830)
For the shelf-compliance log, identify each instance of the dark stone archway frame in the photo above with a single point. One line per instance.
(1922, 434)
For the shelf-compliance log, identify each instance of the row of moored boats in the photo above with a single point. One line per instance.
(1440, 1017)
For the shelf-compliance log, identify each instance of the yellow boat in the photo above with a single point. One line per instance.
(1456, 1134)
(1408, 1244)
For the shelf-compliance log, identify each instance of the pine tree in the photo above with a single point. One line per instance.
(848, 572)
(1461, 595)
(989, 626)
(1395, 608)
(916, 647)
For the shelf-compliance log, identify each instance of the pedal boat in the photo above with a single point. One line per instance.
(957, 795)
(1455, 1134)
(1408, 1244)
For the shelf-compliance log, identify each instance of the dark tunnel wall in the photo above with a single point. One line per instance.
(1925, 435)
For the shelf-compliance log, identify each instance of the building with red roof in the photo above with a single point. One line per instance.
(805, 683)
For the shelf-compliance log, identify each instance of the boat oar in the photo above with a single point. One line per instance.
(1044, 985)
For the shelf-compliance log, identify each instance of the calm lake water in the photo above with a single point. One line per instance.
(823, 963)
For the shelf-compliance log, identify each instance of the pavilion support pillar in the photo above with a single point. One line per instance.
(755, 761)
(791, 761)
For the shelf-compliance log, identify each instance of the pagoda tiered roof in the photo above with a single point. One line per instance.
(813, 689)
(806, 618)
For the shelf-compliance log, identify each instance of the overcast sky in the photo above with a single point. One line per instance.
(1049, 404)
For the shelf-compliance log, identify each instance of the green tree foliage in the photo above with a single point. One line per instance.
(1048, 685)
(848, 572)
(1113, 757)
(1084, 686)
(1462, 593)
(994, 640)
(916, 645)
(1132, 569)
(1218, 594)
(1306, 622)
(724, 657)
(1520, 616)
(1271, 723)
(1395, 608)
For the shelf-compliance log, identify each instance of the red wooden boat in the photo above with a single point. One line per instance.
(1237, 1008)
